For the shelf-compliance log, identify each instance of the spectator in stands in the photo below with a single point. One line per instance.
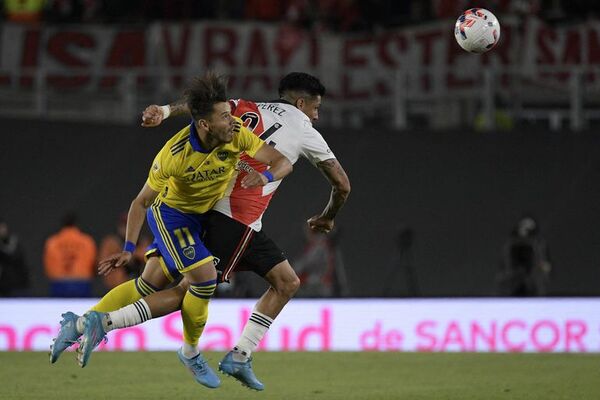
(321, 266)
(69, 260)
(300, 13)
(264, 10)
(14, 274)
(175, 10)
(526, 267)
(74, 11)
(340, 15)
(112, 244)
(24, 11)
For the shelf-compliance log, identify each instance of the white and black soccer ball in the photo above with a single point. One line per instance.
(477, 30)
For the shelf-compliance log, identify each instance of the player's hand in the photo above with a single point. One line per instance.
(106, 266)
(254, 179)
(320, 224)
(152, 116)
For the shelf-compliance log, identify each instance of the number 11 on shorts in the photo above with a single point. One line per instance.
(179, 232)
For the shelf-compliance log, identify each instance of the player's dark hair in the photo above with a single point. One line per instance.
(301, 82)
(204, 92)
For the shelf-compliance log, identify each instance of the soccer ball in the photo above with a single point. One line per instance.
(477, 30)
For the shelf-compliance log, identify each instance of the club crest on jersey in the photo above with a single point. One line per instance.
(189, 252)
(222, 155)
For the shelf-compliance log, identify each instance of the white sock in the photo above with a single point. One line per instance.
(79, 324)
(133, 314)
(257, 326)
(189, 350)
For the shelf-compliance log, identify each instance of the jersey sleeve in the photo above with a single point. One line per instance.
(315, 148)
(159, 172)
(249, 142)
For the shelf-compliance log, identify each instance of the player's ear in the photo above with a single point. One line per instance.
(203, 124)
(300, 102)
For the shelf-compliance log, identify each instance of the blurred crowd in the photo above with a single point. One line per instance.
(327, 15)
(71, 256)
(70, 259)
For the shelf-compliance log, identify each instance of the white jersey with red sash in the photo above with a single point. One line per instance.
(290, 131)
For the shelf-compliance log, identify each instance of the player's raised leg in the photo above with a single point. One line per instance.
(72, 325)
(96, 323)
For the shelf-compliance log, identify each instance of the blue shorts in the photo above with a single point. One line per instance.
(177, 237)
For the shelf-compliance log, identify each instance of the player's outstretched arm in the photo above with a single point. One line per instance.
(135, 220)
(340, 190)
(154, 114)
(280, 167)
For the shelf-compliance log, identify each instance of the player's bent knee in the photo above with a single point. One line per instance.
(153, 274)
(182, 286)
(202, 273)
(284, 280)
(292, 286)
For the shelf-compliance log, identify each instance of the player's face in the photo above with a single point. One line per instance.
(221, 123)
(310, 106)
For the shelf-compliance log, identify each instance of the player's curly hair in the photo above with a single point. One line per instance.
(204, 92)
(301, 82)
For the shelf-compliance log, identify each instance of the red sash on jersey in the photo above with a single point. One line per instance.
(248, 205)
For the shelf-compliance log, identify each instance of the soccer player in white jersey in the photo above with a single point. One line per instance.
(233, 228)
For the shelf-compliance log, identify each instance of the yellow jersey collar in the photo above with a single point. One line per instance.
(195, 139)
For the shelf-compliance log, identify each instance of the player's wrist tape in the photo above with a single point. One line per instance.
(268, 175)
(166, 110)
(129, 246)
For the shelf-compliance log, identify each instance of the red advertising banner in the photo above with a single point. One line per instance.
(355, 67)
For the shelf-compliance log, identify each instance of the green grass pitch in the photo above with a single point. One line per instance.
(302, 376)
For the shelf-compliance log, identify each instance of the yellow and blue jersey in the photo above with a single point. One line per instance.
(192, 179)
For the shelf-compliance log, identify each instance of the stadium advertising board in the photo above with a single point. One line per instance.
(428, 325)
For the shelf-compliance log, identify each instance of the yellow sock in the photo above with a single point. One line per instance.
(126, 293)
(194, 310)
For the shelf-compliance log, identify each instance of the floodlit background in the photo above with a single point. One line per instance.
(451, 156)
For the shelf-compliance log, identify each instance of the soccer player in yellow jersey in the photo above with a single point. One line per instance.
(188, 176)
